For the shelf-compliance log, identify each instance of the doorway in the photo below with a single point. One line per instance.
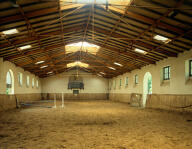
(147, 87)
(9, 82)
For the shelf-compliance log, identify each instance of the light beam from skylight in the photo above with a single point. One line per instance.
(82, 46)
(77, 63)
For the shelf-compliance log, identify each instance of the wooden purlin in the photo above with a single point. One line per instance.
(115, 26)
(41, 36)
(61, 22)
(36, 36)
(51, 35)
(36, 51)
(137, 42)
(55, 9)
(150, 21)
(15, 48)
(37, 13)
(171, 54)
(153, 25)
(35, 70)
(103, 63)
(125, 64)
(125, 53)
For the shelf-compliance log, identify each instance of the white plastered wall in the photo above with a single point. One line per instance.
(178, 84)
(4, 68)
(59, 83)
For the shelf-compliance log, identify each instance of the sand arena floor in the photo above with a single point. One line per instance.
(94, 125)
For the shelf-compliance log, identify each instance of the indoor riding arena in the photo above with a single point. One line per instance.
(95, 74)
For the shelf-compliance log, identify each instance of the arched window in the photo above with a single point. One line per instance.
(20, 79)
(33, 82)
(37, 83)
(9, 82)
(27, 83)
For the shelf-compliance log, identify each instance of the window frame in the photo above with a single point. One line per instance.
(136, 79)
(120, 82)
(126, 81)
(115, 83)
(27, 81)
(33, 82)
(168, 73)
(9, 83)
(37, 83)
(20, 79)
(190, 68)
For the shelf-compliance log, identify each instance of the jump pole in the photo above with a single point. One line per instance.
(62, 100)
(55, 106)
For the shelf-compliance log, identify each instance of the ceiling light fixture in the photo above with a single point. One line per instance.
(112, 68)
(10, 32)
(40, 62)
(25, 47)
(140, 51)
(118, 64)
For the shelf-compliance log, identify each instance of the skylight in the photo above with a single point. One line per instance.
(112, 68)
(162, 38)
(40, 62)
(50, 72)
(102, 73)
(77, 63)
(25, 47)
(82, 46)
(43, 67)
(10, 32)
(140, 51)
(99, 75)
(86, 1)
(118, 64)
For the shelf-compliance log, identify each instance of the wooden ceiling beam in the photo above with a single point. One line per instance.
(125, 64)
(15, 47)
(136, 42)
(33, 52)
(115, 26)
(33, 32)
(41, 36)
(36, 69)
(148, 20)
(99, 30)
(38, 50)
(153, 25)
(105, 65)
(128, 13)
(136, 56)
(38, 13)
(109, 62)
(61, 21)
